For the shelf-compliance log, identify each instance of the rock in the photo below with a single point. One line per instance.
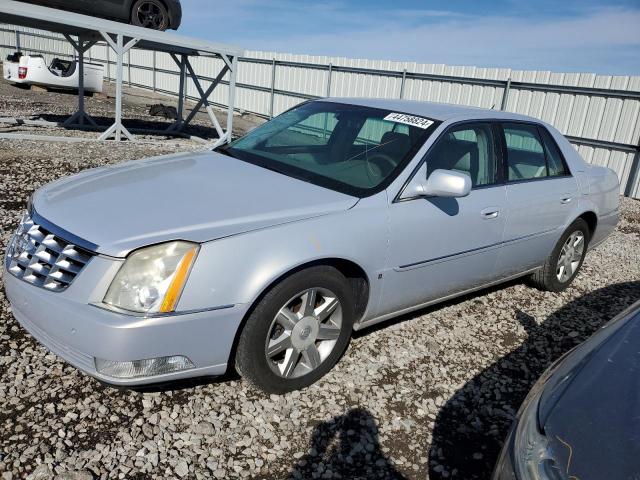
(182, 469)
(205, 428)
(79, 475)
(41, 472)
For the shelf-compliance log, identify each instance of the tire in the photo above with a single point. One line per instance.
(150, 14)
(279, 326)
(551, 277)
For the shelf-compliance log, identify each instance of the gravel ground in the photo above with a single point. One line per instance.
(429, 395)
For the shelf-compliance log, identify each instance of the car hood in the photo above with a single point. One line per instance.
(196, 196)
(590, 408)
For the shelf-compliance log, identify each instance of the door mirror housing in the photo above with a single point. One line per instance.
(441, 183)
(448, 184)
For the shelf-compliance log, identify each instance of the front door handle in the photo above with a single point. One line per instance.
(565, 200)
(490, 213)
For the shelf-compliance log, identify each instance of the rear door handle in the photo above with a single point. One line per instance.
(490, 213)
(565, 200)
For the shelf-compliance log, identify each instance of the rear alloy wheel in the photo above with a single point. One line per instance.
(297, 332)
(565, 261)
(570, 256)
(150, 14)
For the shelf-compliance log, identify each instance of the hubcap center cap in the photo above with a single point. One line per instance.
(305, 332)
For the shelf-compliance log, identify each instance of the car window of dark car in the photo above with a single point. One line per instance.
(467, 148)
(525, 152)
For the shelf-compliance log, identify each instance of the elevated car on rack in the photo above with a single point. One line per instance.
(154, 14)
(267, 253)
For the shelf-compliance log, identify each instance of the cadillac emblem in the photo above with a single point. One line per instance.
(19, 245)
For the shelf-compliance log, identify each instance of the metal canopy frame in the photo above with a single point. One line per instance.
(83, 32)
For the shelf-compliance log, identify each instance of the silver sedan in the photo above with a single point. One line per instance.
(266, 254)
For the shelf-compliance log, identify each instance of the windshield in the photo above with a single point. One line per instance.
(352, 149)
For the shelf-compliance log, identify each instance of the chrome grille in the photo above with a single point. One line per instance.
(41, 258)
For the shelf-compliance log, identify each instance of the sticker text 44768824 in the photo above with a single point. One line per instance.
(412, 120)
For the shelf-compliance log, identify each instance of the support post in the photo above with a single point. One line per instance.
(129, 66)
(79, 118)
(233, 71)
(505, 95)
(154, 73)
(232, 98)
(81, 80)
(117, 129)
(329, 75)
(634, 175)
(108, 61)
(182, 64)
(17, 40)
(402, 85)
(273, 87)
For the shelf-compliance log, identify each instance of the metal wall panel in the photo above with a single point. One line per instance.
(600, 112)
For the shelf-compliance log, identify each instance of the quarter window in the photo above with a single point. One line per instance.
(555, 160)
(468, 148)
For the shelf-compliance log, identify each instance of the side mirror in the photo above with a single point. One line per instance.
(448, 184)
(441, 183)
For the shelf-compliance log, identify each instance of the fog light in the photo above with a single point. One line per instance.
(143, 368)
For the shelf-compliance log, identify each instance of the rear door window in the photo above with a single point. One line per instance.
(526, 158)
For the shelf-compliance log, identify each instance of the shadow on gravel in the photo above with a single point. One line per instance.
(347, 446)
(133, 124)
(471, 427)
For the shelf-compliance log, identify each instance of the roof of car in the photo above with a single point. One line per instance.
(435, 111)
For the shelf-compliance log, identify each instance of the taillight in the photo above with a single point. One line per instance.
(22, 73)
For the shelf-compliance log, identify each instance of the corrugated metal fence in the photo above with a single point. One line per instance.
(600, 114)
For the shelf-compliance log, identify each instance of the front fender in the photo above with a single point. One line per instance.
(238, 269)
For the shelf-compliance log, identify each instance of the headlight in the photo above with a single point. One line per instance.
(151, 279)
(534, 457)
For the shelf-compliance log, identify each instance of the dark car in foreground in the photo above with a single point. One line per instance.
(154, 14)
(582, 418)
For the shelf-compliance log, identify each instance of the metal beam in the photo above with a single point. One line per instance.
(204, 100)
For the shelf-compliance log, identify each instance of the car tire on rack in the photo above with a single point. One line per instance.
(297, 332)
(150, 14)
(565, 261)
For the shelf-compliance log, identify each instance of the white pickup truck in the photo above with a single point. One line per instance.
(32, 70)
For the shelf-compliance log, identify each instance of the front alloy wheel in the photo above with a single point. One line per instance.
(297, 332)
(304, 333)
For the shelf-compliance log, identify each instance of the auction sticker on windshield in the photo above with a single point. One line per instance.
(419, 122)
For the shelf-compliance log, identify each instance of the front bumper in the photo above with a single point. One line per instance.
(78, 332)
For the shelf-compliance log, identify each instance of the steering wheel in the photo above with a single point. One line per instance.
(384, 163)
